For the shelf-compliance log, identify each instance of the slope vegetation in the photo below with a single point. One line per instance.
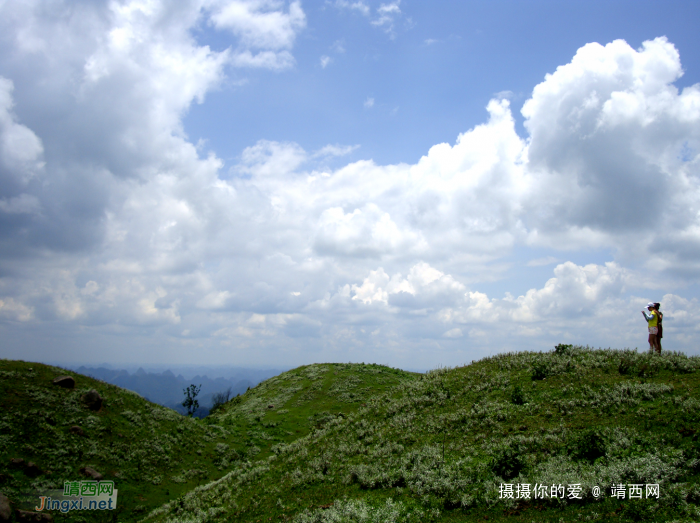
(449, 445)
(152, 453)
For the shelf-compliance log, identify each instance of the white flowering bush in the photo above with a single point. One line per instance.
(359, 511)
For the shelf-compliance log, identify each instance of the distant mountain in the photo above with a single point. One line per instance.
(167, 389)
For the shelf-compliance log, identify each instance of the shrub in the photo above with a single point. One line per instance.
(626, 366)
(507, 463)
(517, 396)
(219, 399)
(589, 446)
(540, 370)
(362, 512)
(562, 349)
(639, 510)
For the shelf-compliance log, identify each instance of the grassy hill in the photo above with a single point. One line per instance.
(438, 447)
(152, 453)
(366, 443)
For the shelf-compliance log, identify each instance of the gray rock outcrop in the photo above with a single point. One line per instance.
(67, 382)
(92, 400)
(91, 473)
(28, 515)
(78, 431)
(5, 511)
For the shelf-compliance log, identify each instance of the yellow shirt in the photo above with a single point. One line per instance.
(654, 320)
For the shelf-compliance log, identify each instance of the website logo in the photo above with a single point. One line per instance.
(79, 495)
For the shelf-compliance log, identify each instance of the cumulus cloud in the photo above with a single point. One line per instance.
(606, 135)
(112, 222)
(575, 302)
(21, 151)
(363, 232)
(12, 310)
(260, 24)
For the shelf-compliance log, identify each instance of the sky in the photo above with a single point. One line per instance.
(272, 183)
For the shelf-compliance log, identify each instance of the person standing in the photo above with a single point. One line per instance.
(653, 322)
(660, 326)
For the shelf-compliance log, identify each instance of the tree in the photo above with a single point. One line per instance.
(191, 403)
(220, 398)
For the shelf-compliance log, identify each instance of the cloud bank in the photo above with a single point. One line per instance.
(118, 233)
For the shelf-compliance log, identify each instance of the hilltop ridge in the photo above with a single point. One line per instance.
(353, 442)
(440, 447)
(151, 452)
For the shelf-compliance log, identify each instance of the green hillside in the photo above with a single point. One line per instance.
(441, 446)
(152, 453)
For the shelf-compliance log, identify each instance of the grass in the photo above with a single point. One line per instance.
(437, 447)
(366, 443)
(153, 454)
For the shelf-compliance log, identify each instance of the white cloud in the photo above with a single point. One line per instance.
(589, 302)
(336, 150)
(539, 262)
(21, 151)
(363, 232)
(260, 24)
(386, 15)
(274, 159)
(325, 60)
(453, 333)
(214, 300)
(606, 135)
(359, 6)
(22, 204)
(369, 103)
(11, 309)
(119, 224)
(277, 61)
(390, 8)
(338, 46)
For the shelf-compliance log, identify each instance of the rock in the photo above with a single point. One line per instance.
(78, 431)
(32, 469)
(67, 382)
(26, 515)
(92, 400)
(91, 473)
(5, 511)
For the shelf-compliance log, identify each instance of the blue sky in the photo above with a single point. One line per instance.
(275, 183)
(430, 82)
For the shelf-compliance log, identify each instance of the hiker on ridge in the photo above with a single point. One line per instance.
(660, 326)
(653, 321)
